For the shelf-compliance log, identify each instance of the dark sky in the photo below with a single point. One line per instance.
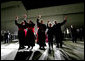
(32, 4)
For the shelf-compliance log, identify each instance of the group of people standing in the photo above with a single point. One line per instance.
(25, 39)
(29, 37)
(6, 36)
(74, 33)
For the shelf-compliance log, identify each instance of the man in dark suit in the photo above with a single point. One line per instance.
(73, 34)
(6, 37)
(58, 32)
(50, 34)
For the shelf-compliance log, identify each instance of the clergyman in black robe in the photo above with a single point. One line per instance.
(30, 37)
(41, 33)
(21, 33)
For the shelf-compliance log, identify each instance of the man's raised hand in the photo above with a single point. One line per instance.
(25, 16)
(48, 21)
(39, 16)
(65, 18)
(17, 18)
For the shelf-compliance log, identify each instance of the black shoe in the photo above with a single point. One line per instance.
(57, 46)
(49, 51)
(28, 47)
(43, 49)
(40, 48)
(61, 47)
(19, 48)
(23, 47)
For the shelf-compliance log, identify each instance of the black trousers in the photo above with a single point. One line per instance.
(59, 39)
(50, 41)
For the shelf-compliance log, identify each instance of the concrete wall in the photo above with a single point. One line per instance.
(9, 11)
(75, 13)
